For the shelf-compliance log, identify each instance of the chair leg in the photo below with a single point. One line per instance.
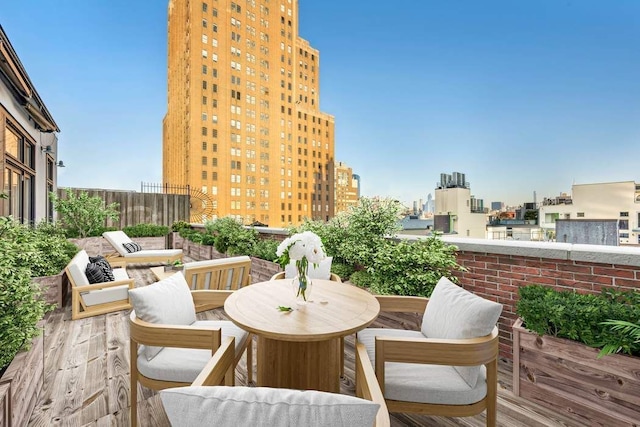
(492, 393)
(133, 387)
(250, 360)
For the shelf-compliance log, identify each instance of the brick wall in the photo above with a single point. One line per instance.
(496, 271)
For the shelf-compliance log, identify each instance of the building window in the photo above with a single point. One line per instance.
(626, 214)
(19, 175)
(623, 224)
(580, 214)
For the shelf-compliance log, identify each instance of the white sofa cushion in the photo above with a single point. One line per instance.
(120, 274)
(322, 271)
(455, 313)
(263, 406)
(184, 364)
(166, 302)
(117, 239)
(422, 383)
(156, 253)
(77, 267)
(102, 296)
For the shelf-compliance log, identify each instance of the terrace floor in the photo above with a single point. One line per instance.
(87, 377)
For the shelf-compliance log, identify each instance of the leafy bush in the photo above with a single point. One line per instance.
(179, 225)
(342, 270)
(231, 237)
(21, 303)
(265, 249)
(81, 215)
(412, 268)
(361, 278)
(146, 230)
(580, 317)
(353, 237)
(54, 251)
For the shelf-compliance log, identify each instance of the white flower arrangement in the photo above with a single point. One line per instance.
(303, 248)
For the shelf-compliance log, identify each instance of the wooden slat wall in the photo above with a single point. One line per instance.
(141, 208)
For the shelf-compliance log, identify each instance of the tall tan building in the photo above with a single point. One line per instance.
(346, 188)
(243, 123)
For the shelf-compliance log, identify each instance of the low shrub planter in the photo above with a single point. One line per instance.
(21, 384)
(567, 377)
(55, 288)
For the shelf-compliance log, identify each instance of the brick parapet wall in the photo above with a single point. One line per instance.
(493, 273)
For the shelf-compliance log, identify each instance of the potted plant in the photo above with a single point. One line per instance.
(556, 345)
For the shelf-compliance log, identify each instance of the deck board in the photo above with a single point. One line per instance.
(87, 376)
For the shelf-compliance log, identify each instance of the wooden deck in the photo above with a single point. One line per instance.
(87, 377)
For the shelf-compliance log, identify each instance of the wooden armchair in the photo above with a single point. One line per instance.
(446, 369)
(248, 406)
(222, 274)
(176, 346)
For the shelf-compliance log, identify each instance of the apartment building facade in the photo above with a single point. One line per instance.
(599, 201)
(347, 187)
(243, 122)
(28, 143)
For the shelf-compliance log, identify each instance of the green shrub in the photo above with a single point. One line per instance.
(231, 237)
(265, 249)
(54, 251)
(146, 230)
(342, 270)
(580, 317)
(179, 225)
(81, 215)
(21, 303)
(361, 278)
(412, 268)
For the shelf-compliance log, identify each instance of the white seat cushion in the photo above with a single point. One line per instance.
(157, 253)
(101, 296)
(421, 383)
(455, 313)
(120, 274)
(184, 364)
(322, 271)
(263, 406)
(167, 302)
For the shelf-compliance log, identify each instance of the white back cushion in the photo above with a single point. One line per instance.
(117, 239)
(264, 406)
(455, 313)
(322, 271)
(166, 302)
(77, 267)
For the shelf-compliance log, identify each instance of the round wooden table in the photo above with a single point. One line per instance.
(301, 349)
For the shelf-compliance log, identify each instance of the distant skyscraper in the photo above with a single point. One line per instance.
(243, 123)
(430, 205)
(356, 178)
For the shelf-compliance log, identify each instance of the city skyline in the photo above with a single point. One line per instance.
(520, 97)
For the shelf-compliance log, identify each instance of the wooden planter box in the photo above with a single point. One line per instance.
(21, 384)
(55, 288)
(567, 377)
(262, 270)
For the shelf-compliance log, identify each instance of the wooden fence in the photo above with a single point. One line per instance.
(141, 208)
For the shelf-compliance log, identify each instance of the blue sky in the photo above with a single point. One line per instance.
(521, 96)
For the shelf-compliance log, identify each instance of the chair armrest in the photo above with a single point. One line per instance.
(452, 352)
(209, 299)
(173, 335)
(367, 385)
(218, 366)
(104, 285)
(335, 278)
(278, 276)
(394, 303)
